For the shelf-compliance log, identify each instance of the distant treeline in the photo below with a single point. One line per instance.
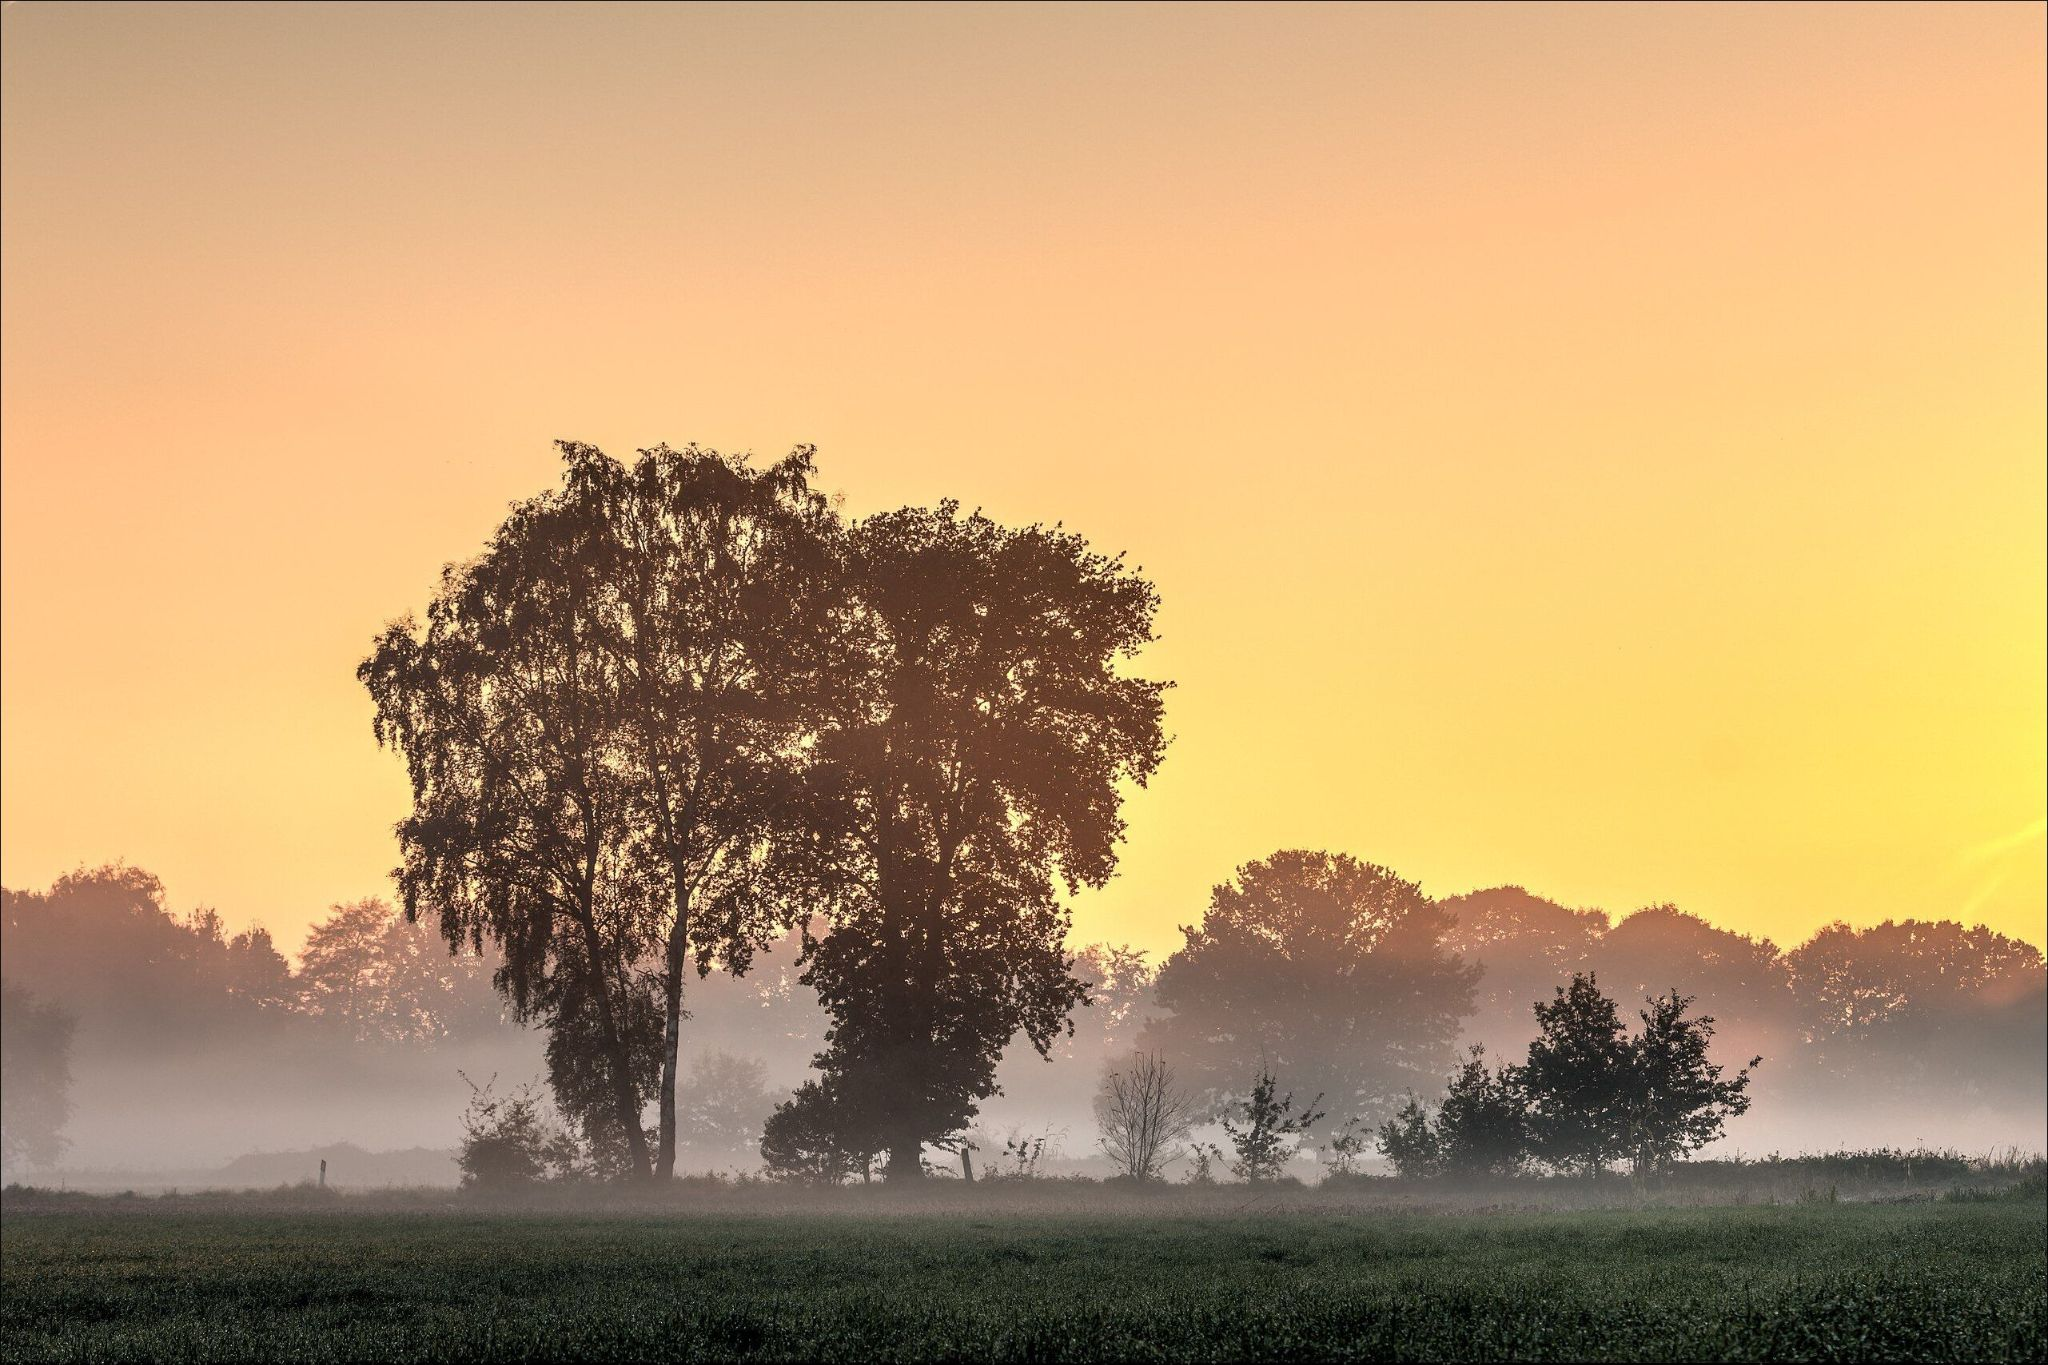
(1914, 1014)
(149, 1024)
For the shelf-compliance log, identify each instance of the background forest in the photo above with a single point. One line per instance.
(189, 1048)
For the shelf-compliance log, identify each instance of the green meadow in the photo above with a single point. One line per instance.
(1822, 1281)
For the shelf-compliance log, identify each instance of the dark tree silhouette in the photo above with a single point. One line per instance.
(600, 722)
(1677, 1101)
(1332, 970)
(510, 1141)
(1483, 1122)
(1480, 1130)
(718, 606)
(822, 1135)
(1577, 1079)
(1596, 1095)
(1409, 1141)
(35, 1078)
(526, 828)
(976, 762)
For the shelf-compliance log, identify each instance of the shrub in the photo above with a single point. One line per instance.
(1143, 1117)
(512, 1141)
(1272, 1130)
(1410, 1142)
(1482, 1127)
(811, 1139)
(1345, 1147)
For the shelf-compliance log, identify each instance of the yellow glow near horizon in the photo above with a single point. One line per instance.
(1599, 448)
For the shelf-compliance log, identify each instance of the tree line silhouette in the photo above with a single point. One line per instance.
(680, 718)
(1945, 1018)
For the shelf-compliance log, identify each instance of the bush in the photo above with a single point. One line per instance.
(1410, 1142)
(513, 1141)
(1482, 1127)
(1272, 1130)
(814, 1139)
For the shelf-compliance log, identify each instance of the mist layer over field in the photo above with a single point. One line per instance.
(199, 1059)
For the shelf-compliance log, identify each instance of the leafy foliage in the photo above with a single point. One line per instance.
(1328, 968)
(975, 762)
(1595, 1095)
(1271, 1130)
(102, 943)
(1483, 1122)
(821, 1137)
(1481, 1129)
(510, 1142)
(1678, 1101)
(1577, 1079)
(598, 723)
(1907, 1010)
(1410, 1142)
(381, 977)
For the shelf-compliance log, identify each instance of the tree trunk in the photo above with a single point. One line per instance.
(906, 1162)
(672, 1034)
(620, 1062)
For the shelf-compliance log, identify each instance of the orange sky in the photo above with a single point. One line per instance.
(1600, 448)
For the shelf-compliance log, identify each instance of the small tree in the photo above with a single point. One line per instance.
(1483, 1123)
(814, 1138)
(1677, 1101)
(1206, 1157)
(1596, 1096)
(1272, 1130)
(1143, 1117)
(510, 1141)
(1577, 1079)
(725, 1104)
(1410, 1143)
(1347, 1145)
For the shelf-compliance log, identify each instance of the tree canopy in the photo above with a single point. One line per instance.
(973, 766)
(1326, 969)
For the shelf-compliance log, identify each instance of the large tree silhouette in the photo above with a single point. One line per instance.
(975, 764)
(718, 608)
(600, 721)
(526, 827)
(1328, 970)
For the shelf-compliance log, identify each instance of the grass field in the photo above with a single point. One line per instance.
(1825, 1281)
